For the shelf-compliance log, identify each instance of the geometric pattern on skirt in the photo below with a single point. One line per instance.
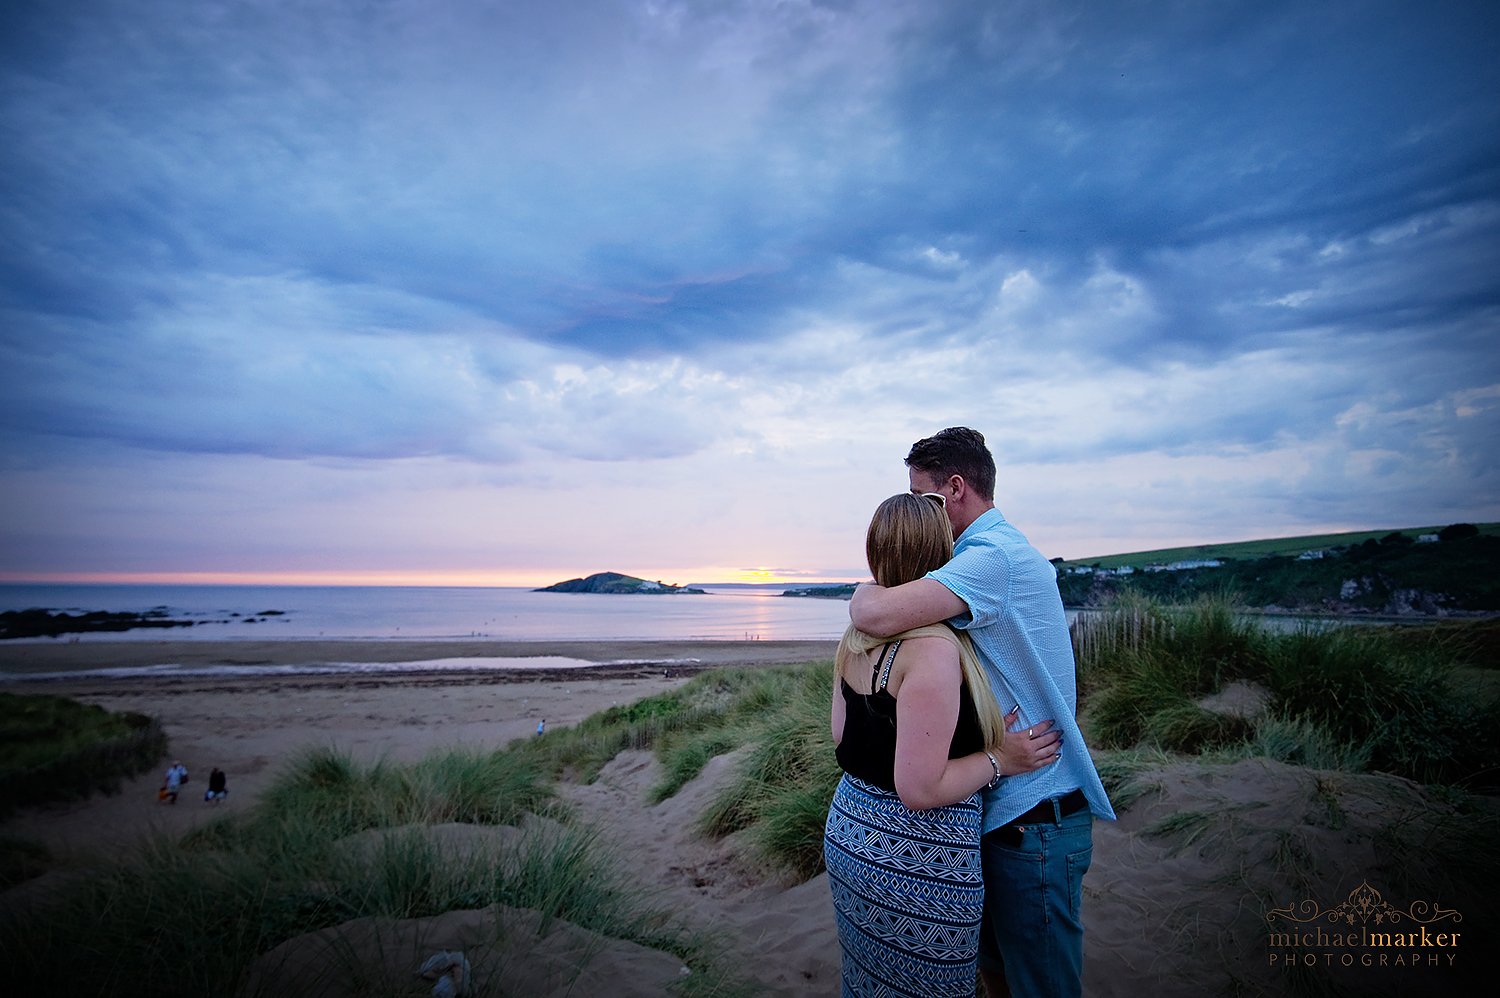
(907, 893)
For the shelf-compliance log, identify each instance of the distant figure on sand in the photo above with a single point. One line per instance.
(217, 786)
(1038, 829)
(541, 725)
(176, 777)
(918, 735)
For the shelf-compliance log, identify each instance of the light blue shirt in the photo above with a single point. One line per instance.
(1018, 627)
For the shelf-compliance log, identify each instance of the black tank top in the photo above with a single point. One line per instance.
(868, 748)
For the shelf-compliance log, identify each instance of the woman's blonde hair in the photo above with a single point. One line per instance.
(910, 536)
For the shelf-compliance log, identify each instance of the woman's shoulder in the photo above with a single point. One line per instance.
(925, 647)
(929, 656)
(937, 633)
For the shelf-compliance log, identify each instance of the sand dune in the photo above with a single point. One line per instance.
(1175, 901)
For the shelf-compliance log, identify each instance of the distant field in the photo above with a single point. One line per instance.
(1285, 546)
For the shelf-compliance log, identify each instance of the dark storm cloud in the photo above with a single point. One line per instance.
(381, 229)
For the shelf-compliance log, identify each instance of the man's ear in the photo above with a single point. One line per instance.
(959, 487)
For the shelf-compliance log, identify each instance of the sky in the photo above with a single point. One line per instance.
(467, 292)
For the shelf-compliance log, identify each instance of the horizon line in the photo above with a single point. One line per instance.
(433, 580)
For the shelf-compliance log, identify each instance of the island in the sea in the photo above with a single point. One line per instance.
(614, 582)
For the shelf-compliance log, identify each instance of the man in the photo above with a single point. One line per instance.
(218, 786)
(1038, 836)
(176, 777)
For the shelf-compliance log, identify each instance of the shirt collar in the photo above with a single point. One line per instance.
(981, 522)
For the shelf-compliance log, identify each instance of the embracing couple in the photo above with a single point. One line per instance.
(958, 829)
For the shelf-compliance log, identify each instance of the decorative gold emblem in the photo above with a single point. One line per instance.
(1364, 903)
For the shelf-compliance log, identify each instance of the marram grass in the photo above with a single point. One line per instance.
(52, 748)
(188, 918)
(1347, 697)
(778, 715)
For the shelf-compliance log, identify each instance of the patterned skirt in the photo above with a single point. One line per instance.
(907, 893)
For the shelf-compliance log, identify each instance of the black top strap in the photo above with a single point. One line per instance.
(885, 673)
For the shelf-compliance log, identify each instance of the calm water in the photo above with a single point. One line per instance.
(438, 613)
(432, 612)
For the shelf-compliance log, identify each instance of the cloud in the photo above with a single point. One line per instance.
(770, 239)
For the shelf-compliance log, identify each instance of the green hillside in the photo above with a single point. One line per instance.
(1367, 572)
(1283, 546)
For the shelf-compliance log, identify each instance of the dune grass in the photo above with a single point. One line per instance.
(714, 713)
(55, 748)
(779, 796)
(188, 918)
(476, 786)
(781, 793)
(1353, 698)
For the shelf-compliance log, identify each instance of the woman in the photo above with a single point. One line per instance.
(918, 734)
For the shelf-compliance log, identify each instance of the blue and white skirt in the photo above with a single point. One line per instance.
(907, 893)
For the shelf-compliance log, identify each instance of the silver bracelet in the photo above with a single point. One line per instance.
(996, 781)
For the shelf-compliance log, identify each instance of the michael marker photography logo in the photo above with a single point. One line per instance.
(1364, 931)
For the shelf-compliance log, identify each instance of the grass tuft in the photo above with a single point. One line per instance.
(326, 788)
(783, 787)
(1349, 697)
(54, 748)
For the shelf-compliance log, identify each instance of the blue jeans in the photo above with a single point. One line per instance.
(1033, 896)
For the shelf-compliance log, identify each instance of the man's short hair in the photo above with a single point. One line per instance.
(960, 451)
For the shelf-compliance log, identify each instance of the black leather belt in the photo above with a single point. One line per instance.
(1067, 804)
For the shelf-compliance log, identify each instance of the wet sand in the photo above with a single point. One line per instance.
(65, 656)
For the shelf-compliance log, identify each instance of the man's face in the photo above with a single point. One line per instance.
(922, 482)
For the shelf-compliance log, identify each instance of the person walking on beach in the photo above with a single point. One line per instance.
(217, 786)
(1038, 835)
(176, 777)
(918, 733)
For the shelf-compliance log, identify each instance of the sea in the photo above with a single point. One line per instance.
(729, 612)
(425, 613)
(260, 613)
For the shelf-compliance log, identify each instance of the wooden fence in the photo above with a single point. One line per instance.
(1097, 632)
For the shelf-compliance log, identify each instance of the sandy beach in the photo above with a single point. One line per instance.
(249, 726)
(1166, 912)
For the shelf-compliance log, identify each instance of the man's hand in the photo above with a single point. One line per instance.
(1028, 750)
